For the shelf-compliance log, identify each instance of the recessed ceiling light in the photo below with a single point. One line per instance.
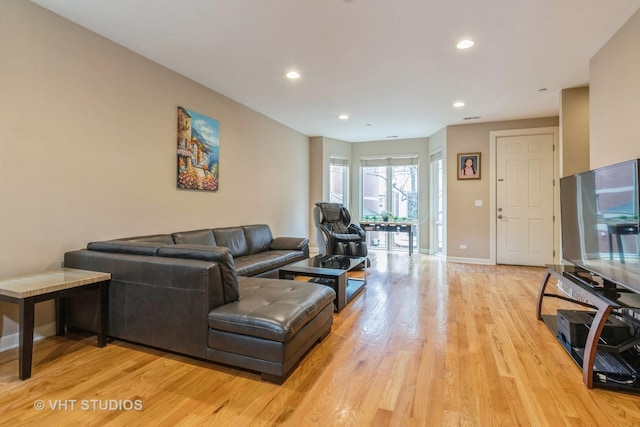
(458, 104)
(293, 75)
(465, 44)
(343, 117)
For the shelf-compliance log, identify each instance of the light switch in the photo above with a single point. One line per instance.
(478, 203)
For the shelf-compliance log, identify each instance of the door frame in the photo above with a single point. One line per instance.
(493, 142)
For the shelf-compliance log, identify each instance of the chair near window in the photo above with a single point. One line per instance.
(336, 234)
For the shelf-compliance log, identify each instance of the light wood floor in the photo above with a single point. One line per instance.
(428, 343)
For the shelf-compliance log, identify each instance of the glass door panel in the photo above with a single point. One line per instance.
(392, 189)
(374, 191)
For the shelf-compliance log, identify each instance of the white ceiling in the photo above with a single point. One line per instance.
(391, 65)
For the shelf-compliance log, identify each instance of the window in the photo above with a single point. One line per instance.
(338, 180)
(437, 202)
(389, 185)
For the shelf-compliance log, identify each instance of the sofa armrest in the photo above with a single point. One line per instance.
(156, 301)
(218, 254)
(289, 243)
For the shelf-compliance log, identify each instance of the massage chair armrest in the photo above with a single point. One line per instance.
(356, 229)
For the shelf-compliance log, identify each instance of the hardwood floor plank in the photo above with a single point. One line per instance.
(428, 343)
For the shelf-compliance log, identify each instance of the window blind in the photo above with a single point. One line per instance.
(338, 161)
(389, 161)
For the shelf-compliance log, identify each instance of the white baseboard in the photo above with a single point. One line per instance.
(40, 332)
(482, 261)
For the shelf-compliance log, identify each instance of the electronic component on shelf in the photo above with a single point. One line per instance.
(608, 363)
(615, 361)
(574, 325)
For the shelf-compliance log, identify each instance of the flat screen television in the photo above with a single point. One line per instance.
(599, 221)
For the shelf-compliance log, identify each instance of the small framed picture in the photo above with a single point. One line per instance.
(469, 166)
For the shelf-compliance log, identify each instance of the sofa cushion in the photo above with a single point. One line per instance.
(126, 247)
(271, 309)
(258, 237)
(255, 264)
(195, 237)
(232, 238)
(217, 254)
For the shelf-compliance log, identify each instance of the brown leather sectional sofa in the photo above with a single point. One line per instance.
(206, 294)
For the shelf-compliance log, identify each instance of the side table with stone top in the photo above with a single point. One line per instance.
(56, 284)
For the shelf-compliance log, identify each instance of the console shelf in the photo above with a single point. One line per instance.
(605, 299)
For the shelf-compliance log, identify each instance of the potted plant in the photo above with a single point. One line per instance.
(385, 215)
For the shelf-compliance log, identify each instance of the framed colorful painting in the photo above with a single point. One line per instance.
(198, 151)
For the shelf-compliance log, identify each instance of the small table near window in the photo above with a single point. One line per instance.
(56, 284)
(392, 227)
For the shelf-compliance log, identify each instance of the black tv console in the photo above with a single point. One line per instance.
(597, 358)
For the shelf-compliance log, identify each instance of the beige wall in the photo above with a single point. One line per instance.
(316, 183)
(439, 141)
(467, 224)
(574, 131)
(615, 97)
(88, 150)
(321, 150)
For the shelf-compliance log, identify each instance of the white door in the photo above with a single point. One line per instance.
(524, 199)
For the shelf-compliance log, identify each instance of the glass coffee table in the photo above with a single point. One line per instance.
(331, 270)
